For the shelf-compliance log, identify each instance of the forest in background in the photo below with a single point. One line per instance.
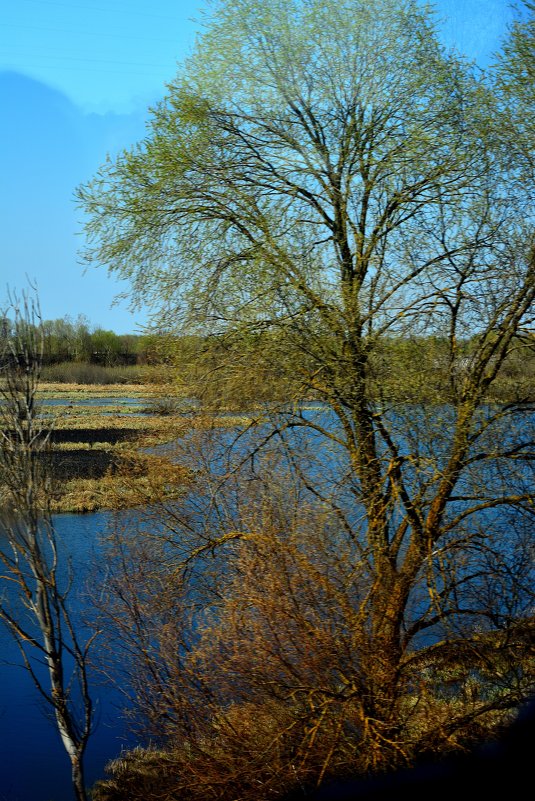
(332, 218)
(254, 368)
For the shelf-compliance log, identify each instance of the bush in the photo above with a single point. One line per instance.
(85, 373)
(166, 406)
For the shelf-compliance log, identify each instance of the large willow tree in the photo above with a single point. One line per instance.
(326, 177)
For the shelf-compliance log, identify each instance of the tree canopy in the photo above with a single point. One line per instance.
(326, 176)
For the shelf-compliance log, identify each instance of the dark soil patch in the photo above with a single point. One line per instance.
(79, 463)
(90, 435)
(83, 462)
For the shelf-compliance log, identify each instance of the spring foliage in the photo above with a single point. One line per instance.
(327, 177)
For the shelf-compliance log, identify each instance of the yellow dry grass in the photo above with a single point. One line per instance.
(75, 391)
(141, 480)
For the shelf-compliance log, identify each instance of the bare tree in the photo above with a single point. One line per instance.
(35, 583)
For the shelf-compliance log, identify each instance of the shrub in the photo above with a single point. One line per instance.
(85, 373)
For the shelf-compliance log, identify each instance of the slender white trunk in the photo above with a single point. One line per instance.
(72, 744)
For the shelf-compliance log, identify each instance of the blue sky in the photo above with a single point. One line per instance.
(76, 81)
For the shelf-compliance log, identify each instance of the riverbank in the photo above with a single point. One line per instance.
(100, 442)
(114, 473)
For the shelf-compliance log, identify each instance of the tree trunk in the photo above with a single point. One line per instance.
(78, 779)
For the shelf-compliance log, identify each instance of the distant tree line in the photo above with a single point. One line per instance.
(264, 367)
(75, 340)
(240, 369)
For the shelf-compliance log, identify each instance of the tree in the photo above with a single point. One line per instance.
(107, 347)
(515, 79)
(325, 174)
(34, 602)
(65, 340)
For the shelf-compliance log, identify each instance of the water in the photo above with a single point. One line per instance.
(33, 763)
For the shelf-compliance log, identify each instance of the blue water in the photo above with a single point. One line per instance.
(33, 766)
(33, 763)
